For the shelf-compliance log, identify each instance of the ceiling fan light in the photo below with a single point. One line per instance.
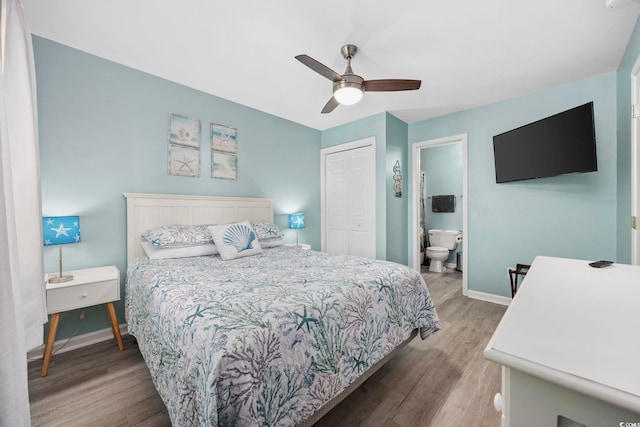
(348, 95)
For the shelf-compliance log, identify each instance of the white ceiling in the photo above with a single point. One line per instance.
(466, 52)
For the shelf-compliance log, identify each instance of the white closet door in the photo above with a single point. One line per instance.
(361, 189)
(350, 202)
(336, 176)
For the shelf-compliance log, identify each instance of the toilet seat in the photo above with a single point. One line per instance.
(437, 249)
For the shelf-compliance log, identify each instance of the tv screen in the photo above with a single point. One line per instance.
(561, 144)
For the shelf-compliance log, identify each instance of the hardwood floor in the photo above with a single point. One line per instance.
(441, 382)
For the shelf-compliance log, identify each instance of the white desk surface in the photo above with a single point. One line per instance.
(577, 326)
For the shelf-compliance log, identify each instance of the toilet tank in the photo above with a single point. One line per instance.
(445, 238)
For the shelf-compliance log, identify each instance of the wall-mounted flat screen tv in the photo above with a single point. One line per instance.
(557, 145)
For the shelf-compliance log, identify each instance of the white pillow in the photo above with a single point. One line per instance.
(235, 240)
(271, 243)
(178, 235)
(159, 252)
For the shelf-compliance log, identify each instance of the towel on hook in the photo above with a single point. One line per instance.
(443, 203)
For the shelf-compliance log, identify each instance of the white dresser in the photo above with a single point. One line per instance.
(569, 344)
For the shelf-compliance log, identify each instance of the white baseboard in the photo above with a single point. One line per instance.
(483, 296)
(77, 342)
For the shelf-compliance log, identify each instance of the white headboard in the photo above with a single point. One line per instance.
(146, 211)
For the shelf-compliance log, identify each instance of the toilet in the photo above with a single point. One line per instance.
(441, 242)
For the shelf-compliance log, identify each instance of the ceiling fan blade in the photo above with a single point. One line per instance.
(331, 105)
(389, 85)
(319, 68)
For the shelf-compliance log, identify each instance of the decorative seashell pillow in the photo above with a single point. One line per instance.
(235, 240)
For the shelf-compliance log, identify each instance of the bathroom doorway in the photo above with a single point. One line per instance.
(421, 203)
(635, 164)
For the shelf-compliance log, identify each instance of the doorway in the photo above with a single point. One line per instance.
(416, 204)
(635, 163)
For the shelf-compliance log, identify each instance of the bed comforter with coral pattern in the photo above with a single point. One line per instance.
(268, 339)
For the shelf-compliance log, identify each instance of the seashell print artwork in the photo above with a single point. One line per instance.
(184, 131)
(183, 134)
(240, 236)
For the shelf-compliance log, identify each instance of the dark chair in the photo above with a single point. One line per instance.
(520, 270)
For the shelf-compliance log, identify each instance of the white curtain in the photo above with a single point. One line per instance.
(22, 292)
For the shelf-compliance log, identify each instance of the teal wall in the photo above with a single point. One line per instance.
(443, 167)
(390, 133)
(571, 216)
(631, 55)
(397, 208)
(373, 126)
(103, 132)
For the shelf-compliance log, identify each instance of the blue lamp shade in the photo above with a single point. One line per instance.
(296, 221)
(59, 230)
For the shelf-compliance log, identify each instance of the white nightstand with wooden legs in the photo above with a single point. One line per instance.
(91, 286)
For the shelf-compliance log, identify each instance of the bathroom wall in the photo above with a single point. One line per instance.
(442, 166)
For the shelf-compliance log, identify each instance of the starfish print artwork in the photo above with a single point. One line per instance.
(185, 164)
(184, 161)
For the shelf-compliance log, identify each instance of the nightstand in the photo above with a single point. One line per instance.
(91, 286)
(303, 246)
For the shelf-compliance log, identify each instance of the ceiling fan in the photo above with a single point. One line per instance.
(348, 88)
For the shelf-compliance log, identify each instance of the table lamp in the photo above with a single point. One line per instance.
(60, 230)
(296, 222)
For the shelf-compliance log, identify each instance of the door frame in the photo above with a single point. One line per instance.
(415, 201)
(635, 162)
(360, 143)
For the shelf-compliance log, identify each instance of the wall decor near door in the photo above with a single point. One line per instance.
(397, 179)
(224, 152)
(184, 146)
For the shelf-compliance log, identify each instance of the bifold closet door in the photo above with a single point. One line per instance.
(350, 202)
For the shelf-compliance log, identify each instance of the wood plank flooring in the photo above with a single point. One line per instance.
(441, 382)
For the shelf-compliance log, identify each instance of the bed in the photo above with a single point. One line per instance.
(277, 338)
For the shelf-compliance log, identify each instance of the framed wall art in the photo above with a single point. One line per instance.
(184, 146)
(184, 130)
(223, 138)
(183, 160)
(224, 152)
(224, 165)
